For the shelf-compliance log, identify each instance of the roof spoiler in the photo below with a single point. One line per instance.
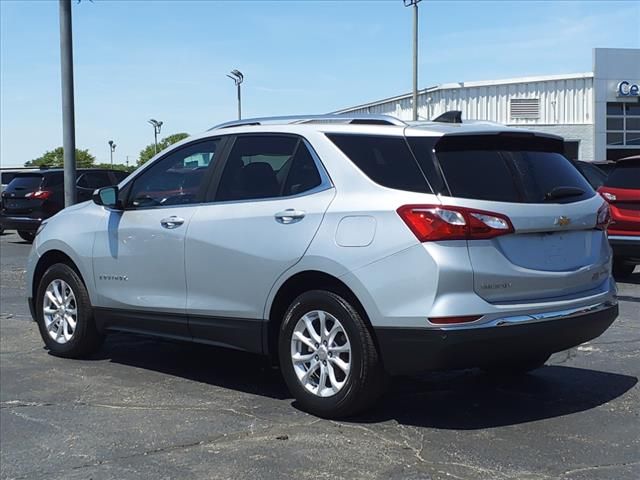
(452, 116)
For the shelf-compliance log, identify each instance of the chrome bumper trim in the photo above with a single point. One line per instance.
(536, 317)
(625, 238)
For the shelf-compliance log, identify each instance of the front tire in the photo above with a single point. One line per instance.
(328, 357)
(64, 314)
(27, 236)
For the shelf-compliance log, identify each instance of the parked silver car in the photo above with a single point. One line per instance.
(347, 248)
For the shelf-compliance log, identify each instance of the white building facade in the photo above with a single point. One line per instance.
(597, 113)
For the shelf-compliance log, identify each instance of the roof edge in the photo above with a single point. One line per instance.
(480, 83)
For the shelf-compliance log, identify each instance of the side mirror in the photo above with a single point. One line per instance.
(107, 197)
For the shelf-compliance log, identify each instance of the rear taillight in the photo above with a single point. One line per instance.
(435, 222)
(39, 194)
(609, 197)
(604, 217)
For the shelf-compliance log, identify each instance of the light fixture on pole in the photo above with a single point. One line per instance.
(238, 78)
(414, 4)
(157, 125)
(112, 148)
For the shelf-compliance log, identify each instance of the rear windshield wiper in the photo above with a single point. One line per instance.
(563, 192)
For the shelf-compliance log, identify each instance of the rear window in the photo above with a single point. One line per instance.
(499, 170)
(25, 182)
(386, 160)
(6, 177)
(624, 176)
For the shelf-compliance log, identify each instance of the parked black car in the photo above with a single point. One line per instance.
(34, 196)
(593, 172)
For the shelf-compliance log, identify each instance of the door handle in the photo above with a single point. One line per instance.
(289, 215)
(171, 222)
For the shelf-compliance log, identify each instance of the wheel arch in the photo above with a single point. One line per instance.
(296, 285)
(49, 258)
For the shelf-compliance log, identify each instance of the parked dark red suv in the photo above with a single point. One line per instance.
(622, 190)
(36, 195)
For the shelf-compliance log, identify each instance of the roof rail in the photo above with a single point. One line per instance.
(361, 119)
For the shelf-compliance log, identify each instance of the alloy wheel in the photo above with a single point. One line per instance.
(60, 311)
(321, 353)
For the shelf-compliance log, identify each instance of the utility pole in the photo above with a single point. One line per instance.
(238, 78)
(68, 115)
(112, 148)
(414, 4)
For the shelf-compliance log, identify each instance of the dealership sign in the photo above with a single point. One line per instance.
(627, 89)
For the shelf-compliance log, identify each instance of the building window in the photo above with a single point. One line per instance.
(623, 129)
(525, 108)
(615, 123)
(615, 138)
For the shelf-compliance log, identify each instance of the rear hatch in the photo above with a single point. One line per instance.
(554, 249)
(17, 197)
(622, 190)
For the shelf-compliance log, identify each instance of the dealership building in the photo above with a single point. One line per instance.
(597, 113)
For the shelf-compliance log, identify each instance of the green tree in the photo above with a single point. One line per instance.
(150, 150)
(55, 158)
(116, 166)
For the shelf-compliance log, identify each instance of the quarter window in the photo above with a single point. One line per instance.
(176, 179)
(386, 160)
(267, 166)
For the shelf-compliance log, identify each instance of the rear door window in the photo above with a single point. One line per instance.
(387, 160)
(267, 166)
(624, 176)
(93, 180)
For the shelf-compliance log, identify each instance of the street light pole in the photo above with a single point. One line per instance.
(414, 4)
(238, 78)
(112, 148)
(68, 115)
(157, 125)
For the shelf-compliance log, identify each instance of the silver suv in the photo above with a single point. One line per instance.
(346, 248)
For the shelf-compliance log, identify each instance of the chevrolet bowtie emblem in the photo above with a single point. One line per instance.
(563, 221)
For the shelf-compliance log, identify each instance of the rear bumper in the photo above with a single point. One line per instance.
(627, 246)
(27, 224)
(414, 350)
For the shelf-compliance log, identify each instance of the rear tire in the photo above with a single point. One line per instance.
(320, 384)
(517, 367)
(27, 236)
(622, 269)
(64, 314)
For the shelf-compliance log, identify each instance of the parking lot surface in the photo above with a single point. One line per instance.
(147, 408)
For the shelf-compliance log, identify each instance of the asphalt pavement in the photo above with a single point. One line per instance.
(152, 409)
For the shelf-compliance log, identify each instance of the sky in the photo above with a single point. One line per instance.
(141, 59)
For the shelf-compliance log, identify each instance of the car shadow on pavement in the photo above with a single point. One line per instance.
(471, 400)
(200, 363)
(462, 400)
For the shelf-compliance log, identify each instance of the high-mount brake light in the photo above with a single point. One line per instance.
(39, 194)
(436, 222)
(604, 217)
